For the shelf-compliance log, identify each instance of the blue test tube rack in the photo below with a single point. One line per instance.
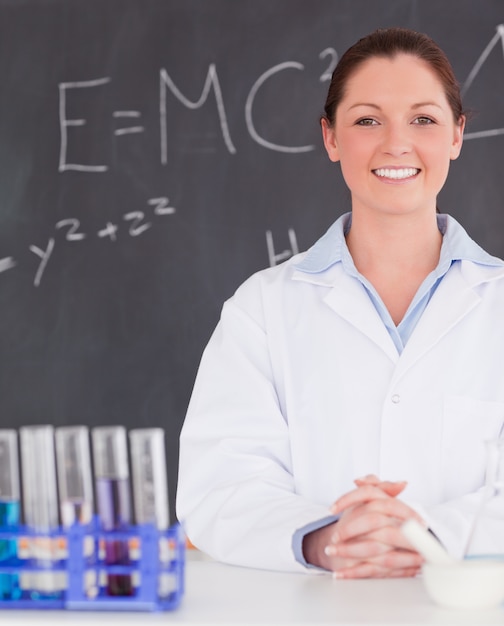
(146, 566)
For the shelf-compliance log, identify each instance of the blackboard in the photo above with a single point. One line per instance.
(155, 153)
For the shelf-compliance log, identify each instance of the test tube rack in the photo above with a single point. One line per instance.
(156, 566)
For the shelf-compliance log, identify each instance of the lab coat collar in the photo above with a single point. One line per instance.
(349, 299)
(454, 298)
(452, 301)
(331, 248)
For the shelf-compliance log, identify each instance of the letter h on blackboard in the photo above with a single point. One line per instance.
(274, 259)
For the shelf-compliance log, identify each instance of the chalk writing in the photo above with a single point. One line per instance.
(109, 231)
(129, 129)
(65, 123)
(136, 221)
(44, 255)
(136, 228)
(72, 234)
(275, 258)
(71, 226)
(333, 55)
(7, 263)
(499, 36)
(167, 84)
(212, 80)
(212, 84)
(161, 206)
(250, 103)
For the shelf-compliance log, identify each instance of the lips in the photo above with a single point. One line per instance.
(399, 173)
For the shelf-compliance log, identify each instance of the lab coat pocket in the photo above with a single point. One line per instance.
(467, 424)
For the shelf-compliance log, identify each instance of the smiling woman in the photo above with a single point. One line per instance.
(384, 123)
(395, 134)
(320, 419)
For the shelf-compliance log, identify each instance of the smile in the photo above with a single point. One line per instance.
(396, 174)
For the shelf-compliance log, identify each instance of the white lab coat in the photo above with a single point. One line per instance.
(301, 390)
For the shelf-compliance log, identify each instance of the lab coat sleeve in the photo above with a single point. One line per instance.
(236, 492)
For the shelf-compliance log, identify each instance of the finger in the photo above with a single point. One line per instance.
(392, 537)
(370, 545)
(393, 489)
(335, 563)
(393, 507)
(372, 516)
(357, 549)
(390, 564)
(368, 570)
(370, 479)
(364, 493)
(380, 500)
(359, 525)
(397, 559)
(390, 488)
(362, 521)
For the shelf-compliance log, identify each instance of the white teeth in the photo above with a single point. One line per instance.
(405, 172)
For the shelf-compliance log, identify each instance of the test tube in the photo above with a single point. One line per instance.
(74, 475)
(9, 510)
(148, 464)
(150, 493)
(40, 503)
(110, 455)
(75, 483)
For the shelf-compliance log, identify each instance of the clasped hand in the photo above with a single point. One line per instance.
(366, 541)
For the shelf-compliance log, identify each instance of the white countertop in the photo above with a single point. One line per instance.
(218, 594)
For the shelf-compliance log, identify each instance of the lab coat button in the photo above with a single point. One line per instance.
(396, 398)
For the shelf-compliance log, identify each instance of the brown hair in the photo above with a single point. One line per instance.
(388, 43)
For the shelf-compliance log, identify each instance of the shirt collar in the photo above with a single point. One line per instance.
(331, 248)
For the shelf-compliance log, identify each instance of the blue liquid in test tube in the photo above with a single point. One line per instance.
(9, 511)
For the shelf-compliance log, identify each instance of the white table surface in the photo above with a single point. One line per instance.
(218, 594)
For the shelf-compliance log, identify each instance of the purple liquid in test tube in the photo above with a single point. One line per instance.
(115, 513)
(113, 500)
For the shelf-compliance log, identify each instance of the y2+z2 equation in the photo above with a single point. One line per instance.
(137, 222)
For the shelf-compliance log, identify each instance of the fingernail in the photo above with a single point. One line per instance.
(336, 575)
(330, 550)
(335, 537)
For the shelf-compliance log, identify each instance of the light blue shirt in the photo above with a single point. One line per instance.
(332, 248)
(456, 246)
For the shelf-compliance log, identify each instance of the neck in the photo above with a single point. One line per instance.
(397, 243)
(395, 253)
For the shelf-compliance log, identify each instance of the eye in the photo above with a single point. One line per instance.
(423, 120)
(366, 121)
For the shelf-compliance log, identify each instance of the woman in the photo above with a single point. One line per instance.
(377, 353)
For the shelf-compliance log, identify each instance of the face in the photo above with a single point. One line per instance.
(394, 135)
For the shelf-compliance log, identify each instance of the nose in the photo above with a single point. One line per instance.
(396, 140)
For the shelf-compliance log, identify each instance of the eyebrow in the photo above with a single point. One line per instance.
(418, 105)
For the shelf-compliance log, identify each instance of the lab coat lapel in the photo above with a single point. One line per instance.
(451, 302)
(349, 299)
